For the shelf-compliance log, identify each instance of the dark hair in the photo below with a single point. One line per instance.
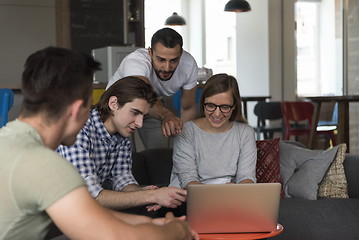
(54, 78)
(126, 90)
(167, 37)
(221, 83)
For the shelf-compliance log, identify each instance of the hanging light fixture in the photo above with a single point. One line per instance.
(175, 19)
(237, 6)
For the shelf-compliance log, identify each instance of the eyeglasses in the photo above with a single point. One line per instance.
(210, 107)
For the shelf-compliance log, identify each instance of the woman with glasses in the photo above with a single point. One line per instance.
(219, 147)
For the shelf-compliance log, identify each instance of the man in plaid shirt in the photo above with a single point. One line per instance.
(102, 151)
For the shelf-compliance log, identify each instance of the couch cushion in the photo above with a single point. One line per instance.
(303, 169)
(321, 219)
(159, 165)
(139, 170)
(267, 169)
(334, 184)
(152, 166)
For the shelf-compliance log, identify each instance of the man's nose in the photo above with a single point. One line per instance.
(139, 121)
(167, 66)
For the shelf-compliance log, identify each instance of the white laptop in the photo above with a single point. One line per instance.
(233, 208)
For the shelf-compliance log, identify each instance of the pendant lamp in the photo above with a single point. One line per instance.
(237, 6)
(175, 19)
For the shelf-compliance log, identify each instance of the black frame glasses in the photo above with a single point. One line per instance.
(211, 107)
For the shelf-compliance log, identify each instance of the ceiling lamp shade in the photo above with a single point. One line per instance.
(175, 19)
(237, 6)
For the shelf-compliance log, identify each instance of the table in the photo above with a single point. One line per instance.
(343, 116)
(252, 98)
(241, 236)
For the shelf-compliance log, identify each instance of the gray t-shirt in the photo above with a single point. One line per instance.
(214, 157)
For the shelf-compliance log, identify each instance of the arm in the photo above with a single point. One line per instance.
(167, 196)
(79, 155)
(246, 168)
(171, 124)
(184, 157)
(188, 104)
(79, 217)
(189, 89)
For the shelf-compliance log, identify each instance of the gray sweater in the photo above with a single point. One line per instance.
(214, 157)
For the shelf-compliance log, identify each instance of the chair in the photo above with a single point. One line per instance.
(6, 103)
(329, 126)
(268, 111)
(298, 118)
(334, 120)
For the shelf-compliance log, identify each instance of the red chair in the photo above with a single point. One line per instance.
(298, 118)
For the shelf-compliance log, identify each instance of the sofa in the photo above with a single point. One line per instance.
(323, 218)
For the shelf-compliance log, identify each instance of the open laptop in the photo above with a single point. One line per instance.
(233, 208)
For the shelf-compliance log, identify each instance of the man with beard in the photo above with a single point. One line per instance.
(168, 68)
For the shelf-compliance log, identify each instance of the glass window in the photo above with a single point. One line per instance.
(319, 48)
(220, 38)
(156, 13)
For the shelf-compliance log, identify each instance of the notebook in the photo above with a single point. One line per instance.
(233, 208)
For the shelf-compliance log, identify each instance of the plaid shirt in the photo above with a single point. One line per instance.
(98, 156)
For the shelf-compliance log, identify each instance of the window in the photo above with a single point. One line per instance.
(319, 48)
(220, 38)
(156, 13)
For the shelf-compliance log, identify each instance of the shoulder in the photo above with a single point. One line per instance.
(243, 127)
(188, 57)
(94, 125)
(138, 55)
(136, 63)
(188, 61)
(189, 125)
(188, 129)
(47, 159)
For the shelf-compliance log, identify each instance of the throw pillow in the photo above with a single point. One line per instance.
(334, 184)
(303, 169)
(267, 169)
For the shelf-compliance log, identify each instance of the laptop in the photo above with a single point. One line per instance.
(233, 208)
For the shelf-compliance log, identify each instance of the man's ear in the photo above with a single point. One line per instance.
(75, 108)
(150, 52)
(112, 103)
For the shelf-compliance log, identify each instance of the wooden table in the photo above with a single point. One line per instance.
(251, 98)
(343, 116)
(241, 236)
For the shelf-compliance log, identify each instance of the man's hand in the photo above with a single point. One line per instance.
(189, 233)
(170, 197)
(162, 220)
(171, 125)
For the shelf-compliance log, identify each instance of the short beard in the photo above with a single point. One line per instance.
(158, 73)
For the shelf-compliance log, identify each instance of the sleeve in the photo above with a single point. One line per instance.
(132, 65)
(122, 171)
(42, 178)
(192, 73)
(248, 155)
(184, 158)
(79, 155)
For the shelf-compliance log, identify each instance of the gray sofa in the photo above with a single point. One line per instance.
(302, 219)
